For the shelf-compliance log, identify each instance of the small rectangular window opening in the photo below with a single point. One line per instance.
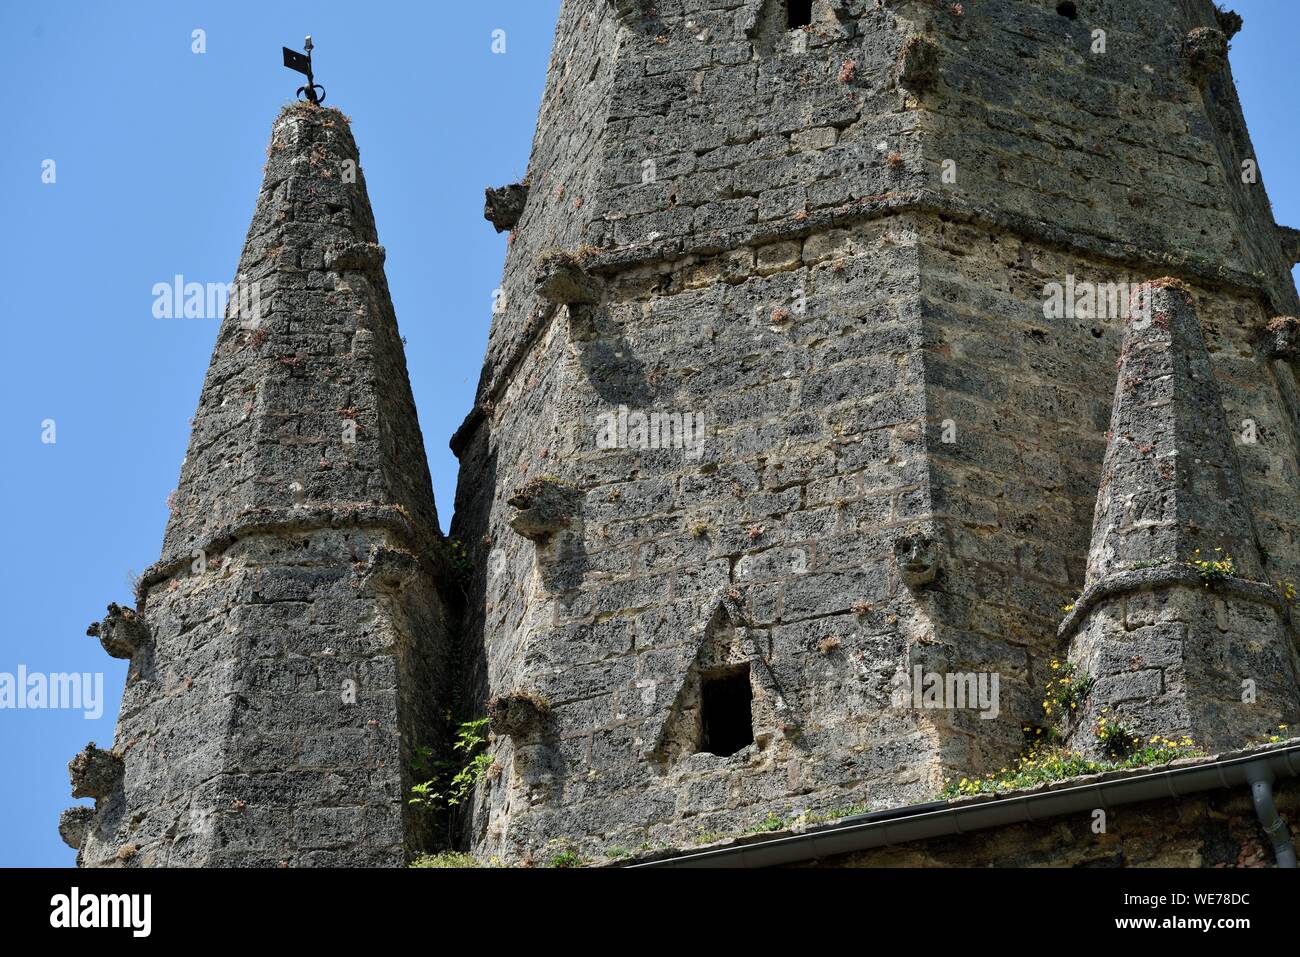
(798, 13)
(726, 715)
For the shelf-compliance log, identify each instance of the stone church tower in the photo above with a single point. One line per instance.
(827, 229)
(842, 343)
(290, 649)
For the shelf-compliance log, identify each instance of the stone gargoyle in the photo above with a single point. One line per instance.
(917, 555)
(121, 633)
(544, 506)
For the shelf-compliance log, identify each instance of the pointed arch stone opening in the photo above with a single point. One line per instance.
(725, 702)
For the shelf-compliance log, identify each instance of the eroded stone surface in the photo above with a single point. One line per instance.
(121, 633)
(74, 824)
(95, 773)
(832, 244)
(779, 248)
(299, 648)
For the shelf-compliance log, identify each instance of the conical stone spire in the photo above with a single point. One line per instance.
(1170, 488)
(1178, 633)
(307, 403)
(271, 715)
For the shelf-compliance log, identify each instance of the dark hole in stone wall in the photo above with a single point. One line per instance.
(798, 13)
(726, 717)
(1068, 9)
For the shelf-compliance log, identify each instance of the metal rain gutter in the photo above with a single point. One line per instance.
(942, 819)
(1261, 791)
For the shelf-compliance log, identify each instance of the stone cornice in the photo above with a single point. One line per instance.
(611, 262)
(1163, 576)
(282, 521)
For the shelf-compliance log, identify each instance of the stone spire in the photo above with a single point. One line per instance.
(271, 708)
(1170, 485)
(1174, 626)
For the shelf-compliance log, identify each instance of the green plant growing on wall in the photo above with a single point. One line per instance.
(770, 823)
(1273, 737)
(1215, 569)
(1065, 691)
(459, 558)
(1043, 760)
(1036, 767)
(566, 859)
(1148, 563)
(452, 782)
(447, 859)
(1115, 737)
(1039, 736)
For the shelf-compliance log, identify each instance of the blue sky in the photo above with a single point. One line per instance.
(158, 154)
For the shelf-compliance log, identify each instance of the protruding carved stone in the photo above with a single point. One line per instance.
(74, 825)
(1282, 338)
(546, 506)
(562, 280)
(625, 8)
(390, 569)
(918, 559)
(121, 633)
(95, 773)
(1206, 51)
(918, 64)
(1230, 21)
(519, 714)
(504, 207)
(361, 257)
(1289, 238)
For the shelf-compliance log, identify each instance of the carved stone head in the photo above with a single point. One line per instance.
(917, 555)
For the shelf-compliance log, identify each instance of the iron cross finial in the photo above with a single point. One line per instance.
(302, 64)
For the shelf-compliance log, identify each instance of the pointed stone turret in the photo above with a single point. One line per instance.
(1174, 626)
(295, 611)
(1170, 484)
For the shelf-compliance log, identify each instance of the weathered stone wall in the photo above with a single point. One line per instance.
(567, 151)
(1131, 147)
(298, 645)
(632, 576)
(1028, 401)
(773, 244)
(789, 528)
